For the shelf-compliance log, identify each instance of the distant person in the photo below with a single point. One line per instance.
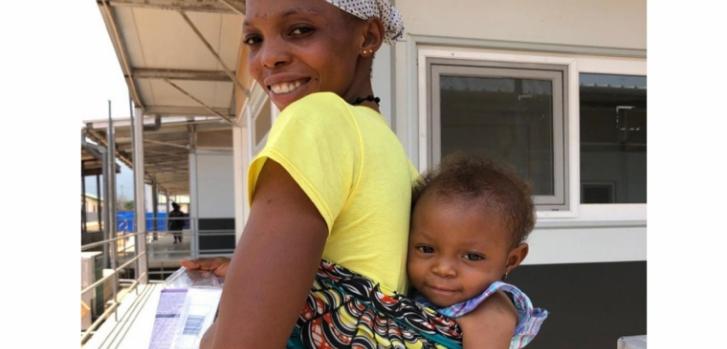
(176, 222)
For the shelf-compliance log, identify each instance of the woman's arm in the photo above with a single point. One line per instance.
(491, 325)
(273, 266)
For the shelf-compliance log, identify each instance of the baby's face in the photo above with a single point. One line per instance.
(455, 249)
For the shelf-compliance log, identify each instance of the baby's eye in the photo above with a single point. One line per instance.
(425, 249)
(474, 256)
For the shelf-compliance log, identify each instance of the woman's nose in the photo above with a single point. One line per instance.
(274, 53)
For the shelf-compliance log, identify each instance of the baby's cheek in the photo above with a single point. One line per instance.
(415, 272)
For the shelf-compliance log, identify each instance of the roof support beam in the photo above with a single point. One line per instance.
(202, 104)
(214, 6)
(167, 144)
(98, 138)
(184, 111)
(120, 49)
(214, 53)
(101, 140)
(235, 7)
(179, 74)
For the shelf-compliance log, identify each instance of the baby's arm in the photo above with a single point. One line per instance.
(491, 325)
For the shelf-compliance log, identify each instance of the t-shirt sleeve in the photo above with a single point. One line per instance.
(316, 140)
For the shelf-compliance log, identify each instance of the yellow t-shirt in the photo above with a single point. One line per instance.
(356, 172)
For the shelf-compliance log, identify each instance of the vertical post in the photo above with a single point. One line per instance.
(106, 230)
(84, 227)
(240, 162)
(155, 208)
(99, 217)
(110, 184)
(168, 205)
(111, 191)
(139, 193)
(193, 210)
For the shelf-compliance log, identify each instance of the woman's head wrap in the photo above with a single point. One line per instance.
(381, 9)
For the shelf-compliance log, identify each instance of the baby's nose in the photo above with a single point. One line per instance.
(444, 269)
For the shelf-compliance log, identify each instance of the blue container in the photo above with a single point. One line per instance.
(125, 221)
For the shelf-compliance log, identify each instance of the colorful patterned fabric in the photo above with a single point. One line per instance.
(529, 319)
(346, 310)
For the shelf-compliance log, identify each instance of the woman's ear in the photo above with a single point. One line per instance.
(516, 256)
(373, 37)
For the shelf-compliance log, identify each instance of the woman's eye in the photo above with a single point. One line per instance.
(300, 31)
(474, 257)
(425, 249)
(251, 40)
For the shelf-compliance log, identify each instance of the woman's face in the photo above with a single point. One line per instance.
(297, 47)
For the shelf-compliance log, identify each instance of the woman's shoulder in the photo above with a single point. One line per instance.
(321, 113)
(318, 103)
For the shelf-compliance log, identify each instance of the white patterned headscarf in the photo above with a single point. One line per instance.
(380, 9)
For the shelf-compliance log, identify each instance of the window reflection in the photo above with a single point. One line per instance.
(507, 119)
(613, 138)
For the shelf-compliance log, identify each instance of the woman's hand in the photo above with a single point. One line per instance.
(491, 325)
(216, 265)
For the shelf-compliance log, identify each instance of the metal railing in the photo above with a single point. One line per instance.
(162, 250)
(113, 258)
(191, 241)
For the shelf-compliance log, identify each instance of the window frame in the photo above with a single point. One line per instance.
(575, 64)
(254, 109)
(556, 74)
(617, 66)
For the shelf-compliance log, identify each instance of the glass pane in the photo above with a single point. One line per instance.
(507, 119)
(613, 138)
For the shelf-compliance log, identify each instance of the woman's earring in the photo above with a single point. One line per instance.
(505, 277)
(367, 52)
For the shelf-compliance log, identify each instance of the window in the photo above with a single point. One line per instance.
(259, 115)
(613, 138)
(511, 112)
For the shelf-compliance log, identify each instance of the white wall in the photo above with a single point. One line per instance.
(214, 185)
(382, 79)
(586, 245)
(603, 23)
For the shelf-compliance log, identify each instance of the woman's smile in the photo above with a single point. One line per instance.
(286, 87)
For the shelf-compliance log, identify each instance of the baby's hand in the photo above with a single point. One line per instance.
(491, 325)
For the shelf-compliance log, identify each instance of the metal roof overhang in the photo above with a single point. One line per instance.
(166, 147)
(179, 60)
(178, 56)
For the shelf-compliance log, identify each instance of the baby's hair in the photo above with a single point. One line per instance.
(495, 186)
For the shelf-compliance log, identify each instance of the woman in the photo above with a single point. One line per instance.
(333, 182)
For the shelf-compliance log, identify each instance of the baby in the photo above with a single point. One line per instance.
(469, 224)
